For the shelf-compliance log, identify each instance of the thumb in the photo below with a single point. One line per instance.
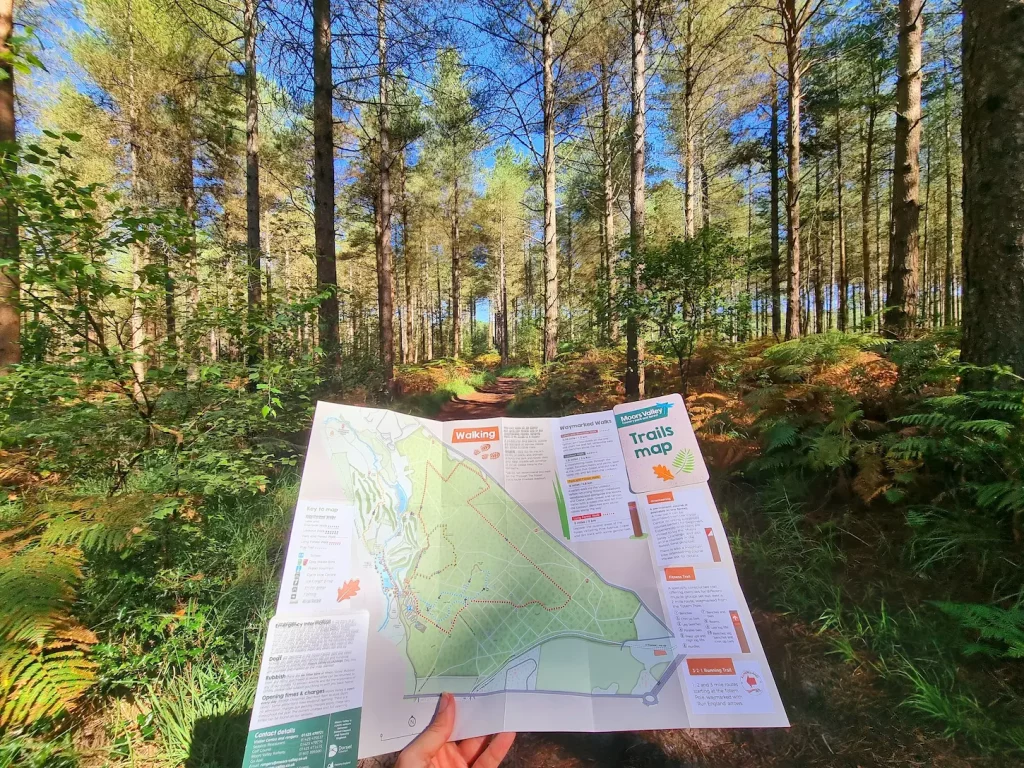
(436, 735)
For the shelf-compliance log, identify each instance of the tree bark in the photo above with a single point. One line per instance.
(410, 351)
(819, 294)
(773, 170)
(844, 277)
(901, 308)
(10, 315)
(385, 256)
(608, 230)
(634, 379)
(502, 292)
(794, 61)
(252, 186)
(550, 202)
(947, 302)
(689, 140)
(323, 183)
(865, 212)
(993, 150)
(139, 251)
(455, 307)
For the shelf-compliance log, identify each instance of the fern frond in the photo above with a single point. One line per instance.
(1003, 627)
(1004, 496)
(830, 451)
(929, 420)
(38, 683)
(98, 524)
(780, 434)
(38, 587)
(913, 448)
(993, 427)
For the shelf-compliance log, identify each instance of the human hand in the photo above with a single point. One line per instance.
(432, 748)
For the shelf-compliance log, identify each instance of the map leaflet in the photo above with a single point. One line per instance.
(565, 574)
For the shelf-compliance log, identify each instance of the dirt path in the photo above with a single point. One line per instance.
(486, 403)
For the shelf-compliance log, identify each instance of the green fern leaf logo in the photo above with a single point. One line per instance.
(684, 461)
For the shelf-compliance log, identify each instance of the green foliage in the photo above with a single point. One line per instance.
(1002, 628)
(963, 452)
(519, 372)
(683, 292)
(798, 359)
(202, 716)
(32, 751)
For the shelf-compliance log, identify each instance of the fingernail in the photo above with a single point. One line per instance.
(443, 704)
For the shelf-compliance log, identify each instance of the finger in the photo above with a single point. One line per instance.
(496, 751)
(470, 749)
(435, 736)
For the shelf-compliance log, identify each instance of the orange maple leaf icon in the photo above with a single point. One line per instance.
(663, 473)
(348, 589)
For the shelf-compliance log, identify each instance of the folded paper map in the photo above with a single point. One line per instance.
(565, 574)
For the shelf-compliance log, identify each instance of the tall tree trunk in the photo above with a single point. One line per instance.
(773, 170)
(188, 206)
(10, 315)
(705, 183)
(385, 257)
(993, 150)
(947, 302)
(455, 307)
(634, 379)
(429, 314)
(608, 230)
(139, 251)
(689, 138)
(252, 187)
(865, 210)
(901, 308)
(819, 296)
(550, 202)
(409, 334)
(844, 276)
(323, 183)
(794, 95)
(925, 290)
(502, 292)
(170, 318)
(441, 338)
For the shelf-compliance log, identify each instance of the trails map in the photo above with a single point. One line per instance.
(475, 586)
(508, 562)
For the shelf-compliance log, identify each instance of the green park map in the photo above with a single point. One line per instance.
(478, 595)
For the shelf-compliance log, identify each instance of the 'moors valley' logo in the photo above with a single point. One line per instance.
(648, 413)
(475, 435)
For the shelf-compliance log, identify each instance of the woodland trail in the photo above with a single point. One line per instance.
(486, 403)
